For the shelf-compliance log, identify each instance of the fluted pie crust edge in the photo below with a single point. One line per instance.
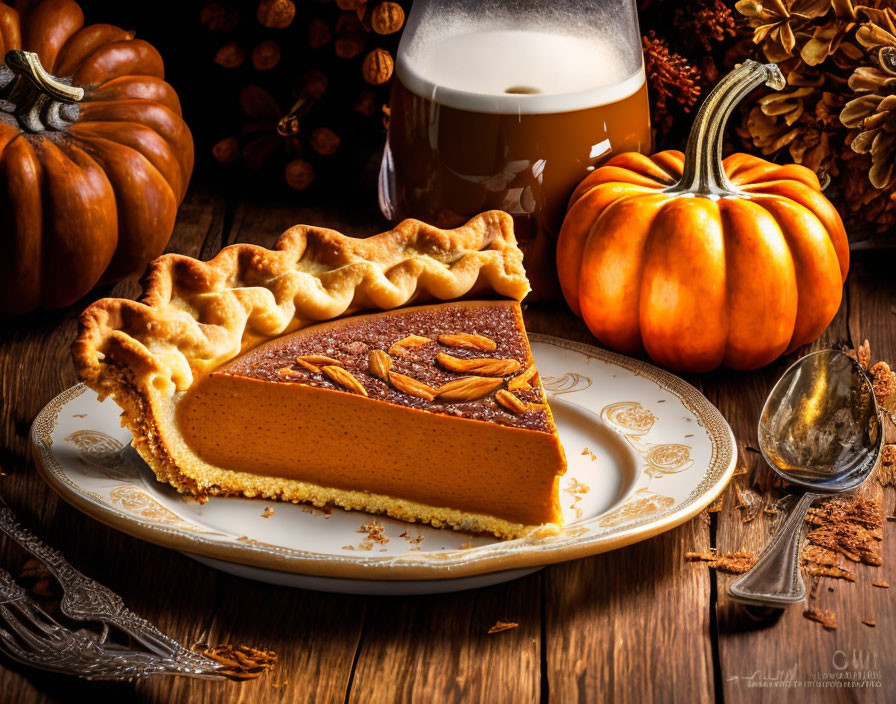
(193, 316)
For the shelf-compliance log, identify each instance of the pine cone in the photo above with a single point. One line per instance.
(803, 119)
(807, 141)
(873, 111)
(782, 26)
(865, 203)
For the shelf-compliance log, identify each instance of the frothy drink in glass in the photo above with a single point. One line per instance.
(511, 119)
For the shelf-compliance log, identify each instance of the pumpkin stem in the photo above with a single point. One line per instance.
(703, 173)
(38, 100)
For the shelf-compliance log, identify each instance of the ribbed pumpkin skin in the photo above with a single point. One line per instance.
(97, 201)
(698, 282)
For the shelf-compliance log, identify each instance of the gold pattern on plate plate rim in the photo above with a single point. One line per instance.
(642, 516)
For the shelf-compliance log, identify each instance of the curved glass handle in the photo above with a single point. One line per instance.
(775, 579)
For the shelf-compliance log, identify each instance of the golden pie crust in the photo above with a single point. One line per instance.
(194, 317)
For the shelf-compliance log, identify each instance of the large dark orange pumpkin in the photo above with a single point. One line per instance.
(94, 155)
(702, 263)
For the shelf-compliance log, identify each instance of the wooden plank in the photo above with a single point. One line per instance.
(774, 656)
(615, 623)
(34, 366)
(631, 625)
(314, 635)
(636, 624)
(438, 649)
(263, 223)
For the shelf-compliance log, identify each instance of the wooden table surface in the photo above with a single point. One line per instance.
(640, 624)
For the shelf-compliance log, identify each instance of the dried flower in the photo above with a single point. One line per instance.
(276, 14)
(299, 174)
(227, 150)
(257, 103)
(319, 33)
(673, 81)
(324, 141)
(349, 45)
(266, 55)
(218, 17)
(230, 55)
(365, 103)
(709, 21)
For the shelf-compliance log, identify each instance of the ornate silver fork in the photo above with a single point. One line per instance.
(39, 640)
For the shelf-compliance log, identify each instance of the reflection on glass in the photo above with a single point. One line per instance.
(509, 105)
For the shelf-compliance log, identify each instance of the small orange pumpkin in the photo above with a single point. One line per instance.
(701, 262)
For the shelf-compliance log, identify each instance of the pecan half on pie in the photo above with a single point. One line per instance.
(390, 374)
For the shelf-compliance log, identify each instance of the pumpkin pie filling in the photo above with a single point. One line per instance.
(267, 413)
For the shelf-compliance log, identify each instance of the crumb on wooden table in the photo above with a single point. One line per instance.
(240, 662)
(821, 562)
(886, 471)
(736, 562)
(502, 626)
(883, 381)
(851, 527)
(826, 617)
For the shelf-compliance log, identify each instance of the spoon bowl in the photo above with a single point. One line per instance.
(820, 431)
(820, 427)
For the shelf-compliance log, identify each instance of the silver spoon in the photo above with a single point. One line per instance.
(820, 430)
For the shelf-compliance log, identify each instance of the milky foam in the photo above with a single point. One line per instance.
(519, 71)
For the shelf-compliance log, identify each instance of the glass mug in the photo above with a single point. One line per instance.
(509, 105)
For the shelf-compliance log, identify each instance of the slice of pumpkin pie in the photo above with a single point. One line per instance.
(391, 375)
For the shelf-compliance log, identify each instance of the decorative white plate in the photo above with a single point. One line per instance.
(646, 452)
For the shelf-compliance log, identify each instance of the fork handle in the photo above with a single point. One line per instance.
(53, 560)
(85, 599)
(775, 579)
